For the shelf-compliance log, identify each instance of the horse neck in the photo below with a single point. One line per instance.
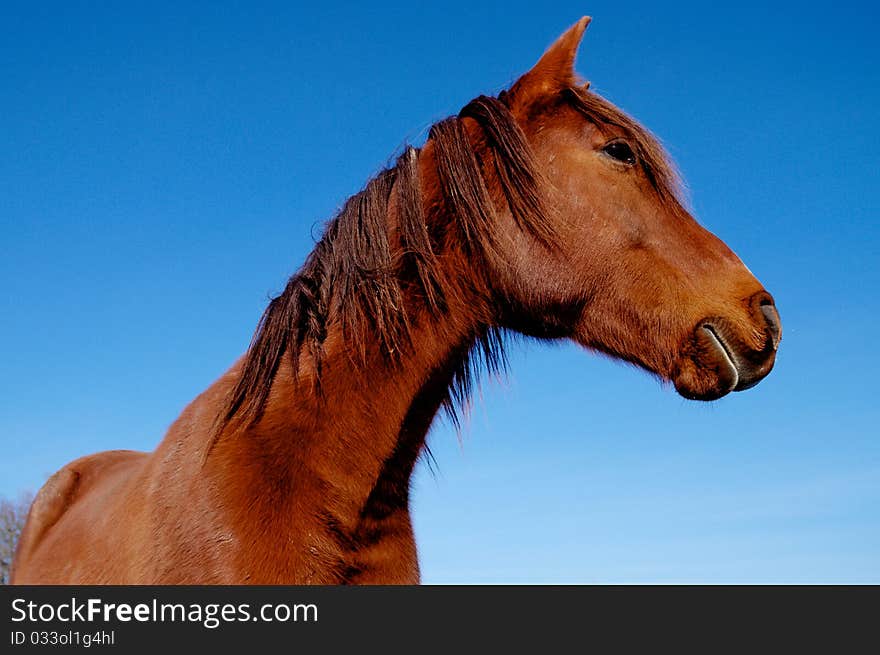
(347, 450)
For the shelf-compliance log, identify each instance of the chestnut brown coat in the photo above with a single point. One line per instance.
(546, 211)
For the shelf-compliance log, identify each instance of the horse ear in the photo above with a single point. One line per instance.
(555, 69)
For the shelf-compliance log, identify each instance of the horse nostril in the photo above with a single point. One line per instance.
(774, 325)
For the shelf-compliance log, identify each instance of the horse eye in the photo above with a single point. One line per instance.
(620, 151)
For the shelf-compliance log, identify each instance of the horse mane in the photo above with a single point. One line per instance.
(358, 278)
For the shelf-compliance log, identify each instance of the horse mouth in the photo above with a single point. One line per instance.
(717, 362)
(724, 353)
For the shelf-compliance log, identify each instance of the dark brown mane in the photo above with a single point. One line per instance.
(356, 275)
(655, 163)
(360, 278)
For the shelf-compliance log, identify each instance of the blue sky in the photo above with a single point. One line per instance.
(162, 170)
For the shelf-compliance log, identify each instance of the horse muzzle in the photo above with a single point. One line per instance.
(718, 359)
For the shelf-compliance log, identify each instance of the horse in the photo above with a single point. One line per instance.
(545, 211)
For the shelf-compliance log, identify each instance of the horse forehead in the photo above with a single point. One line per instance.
(565, 122)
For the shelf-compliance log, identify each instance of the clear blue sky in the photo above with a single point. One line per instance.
(162, 168)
